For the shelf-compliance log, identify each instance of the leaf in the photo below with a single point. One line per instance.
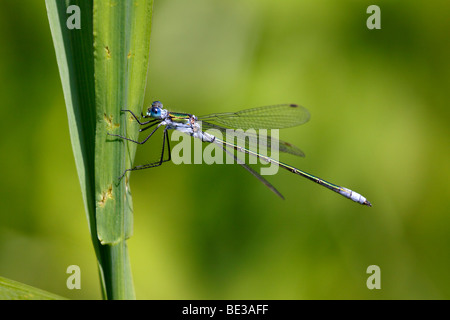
(103, 68)
(13, 290)
(75, 60)
(121, 44)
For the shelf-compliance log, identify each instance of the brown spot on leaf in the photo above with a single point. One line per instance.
(109, 122)
(108, 52)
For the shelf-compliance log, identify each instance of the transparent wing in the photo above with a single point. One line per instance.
(254, 173)
(244, 139)
(269, 117)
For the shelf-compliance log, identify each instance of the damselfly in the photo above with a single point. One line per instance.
(269, 117)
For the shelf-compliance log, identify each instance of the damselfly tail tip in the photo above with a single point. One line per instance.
(367, 203)
(355, 196)
(293, 105)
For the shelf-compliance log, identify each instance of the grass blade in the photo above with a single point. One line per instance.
(13, 290)
(103, 68)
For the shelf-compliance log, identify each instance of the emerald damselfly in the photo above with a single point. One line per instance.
(269, 117)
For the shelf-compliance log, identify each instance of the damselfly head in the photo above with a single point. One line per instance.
(155, 110)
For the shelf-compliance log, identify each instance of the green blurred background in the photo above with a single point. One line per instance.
(379, 125)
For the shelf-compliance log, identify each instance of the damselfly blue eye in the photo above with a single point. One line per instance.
(155, 112)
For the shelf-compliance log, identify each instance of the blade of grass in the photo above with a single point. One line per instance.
(121, 46)
(13, 290)
(103, 69)
(75, 60)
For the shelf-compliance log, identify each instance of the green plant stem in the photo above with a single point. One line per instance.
(103, 68)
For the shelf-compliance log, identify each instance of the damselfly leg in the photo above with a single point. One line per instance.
(165, 139)
(153, 123)
(137, 119)
(157, 163)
